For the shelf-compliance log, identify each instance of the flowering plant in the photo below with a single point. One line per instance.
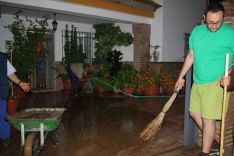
(167, 82)
(146, 79)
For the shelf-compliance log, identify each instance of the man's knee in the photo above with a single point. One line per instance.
(195, 115)
(208, 121)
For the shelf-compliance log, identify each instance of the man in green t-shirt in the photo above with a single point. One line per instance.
(208, 46)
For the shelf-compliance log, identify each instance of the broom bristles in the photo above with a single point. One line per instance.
(152, 128)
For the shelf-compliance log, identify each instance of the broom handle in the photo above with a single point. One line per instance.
(224, 109)
(170, 101)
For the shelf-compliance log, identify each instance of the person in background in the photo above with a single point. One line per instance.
(208, 44)
(41, 65)
(76, 87)
(7, 71)
(86, 71)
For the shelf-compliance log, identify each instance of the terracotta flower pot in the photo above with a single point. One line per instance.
(67, 86)
(12, 106)
(152, 90)
(19, 92)
(169, 91)
(116, 92)
(100, 90)
(128, 90)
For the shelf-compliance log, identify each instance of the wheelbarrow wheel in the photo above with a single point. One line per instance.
(32, 144)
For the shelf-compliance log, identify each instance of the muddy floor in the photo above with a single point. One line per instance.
(106, 126)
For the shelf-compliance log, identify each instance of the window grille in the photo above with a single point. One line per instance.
(87, 41)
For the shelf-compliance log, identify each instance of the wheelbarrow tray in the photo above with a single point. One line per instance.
(33, 117)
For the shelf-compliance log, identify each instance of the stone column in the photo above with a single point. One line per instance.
(141, 45)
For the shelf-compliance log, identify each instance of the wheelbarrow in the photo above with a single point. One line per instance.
(36, 123)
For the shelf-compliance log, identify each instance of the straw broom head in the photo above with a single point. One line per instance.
(152, 128)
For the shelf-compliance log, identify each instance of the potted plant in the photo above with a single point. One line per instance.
(73, 47)
(108, 35)
(114, 57)
(155, 54)
(101, 84)
(168, 83)
(13, 101)
(27, 33)
(168, 79)
(148, 82)
(125, 79)
(63, 75)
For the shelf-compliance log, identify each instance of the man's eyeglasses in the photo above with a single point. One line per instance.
(214, 24)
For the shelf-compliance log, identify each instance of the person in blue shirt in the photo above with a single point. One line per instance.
(7, 71)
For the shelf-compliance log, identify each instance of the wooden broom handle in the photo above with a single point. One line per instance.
(223, 121)
(224, 109)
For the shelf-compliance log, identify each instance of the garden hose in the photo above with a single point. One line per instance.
(130, 95)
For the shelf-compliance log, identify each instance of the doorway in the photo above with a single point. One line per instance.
(43, 76)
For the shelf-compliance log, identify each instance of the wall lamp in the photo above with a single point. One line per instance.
(55, 23)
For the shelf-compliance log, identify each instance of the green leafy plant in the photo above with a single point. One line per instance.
(25, 41)
(155, 55)
(114, 58)
(125, 77)
(73, 47)
(107, 35)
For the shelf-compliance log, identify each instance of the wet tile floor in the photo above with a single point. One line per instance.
(106, 126)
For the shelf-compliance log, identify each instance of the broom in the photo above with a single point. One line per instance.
(152, 128)
(224, 109)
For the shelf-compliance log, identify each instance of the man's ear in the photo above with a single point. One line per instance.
(204, 18)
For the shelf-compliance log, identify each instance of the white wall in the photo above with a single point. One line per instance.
(5, 35)
(156, 37)
(127, 51)
(179, 17)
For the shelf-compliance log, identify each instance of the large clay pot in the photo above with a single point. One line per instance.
(152, 90)
(19, 92)
(67, 87)
(169, 91)
(116, 92)
(12, 106)
(100, 90)
(128, 90)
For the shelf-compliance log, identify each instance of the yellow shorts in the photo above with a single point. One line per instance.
(207, 99)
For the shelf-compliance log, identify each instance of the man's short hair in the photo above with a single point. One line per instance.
(214, 7)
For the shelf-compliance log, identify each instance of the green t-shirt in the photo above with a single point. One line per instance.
(209, 49)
